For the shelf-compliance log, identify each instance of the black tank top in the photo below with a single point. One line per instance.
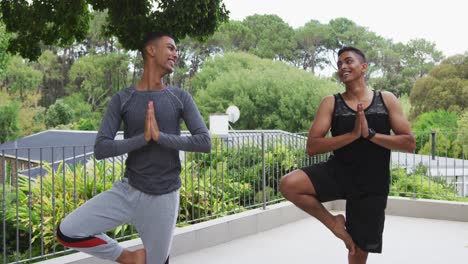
(368, 163)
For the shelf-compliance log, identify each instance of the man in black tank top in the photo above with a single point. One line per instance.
(360, 121)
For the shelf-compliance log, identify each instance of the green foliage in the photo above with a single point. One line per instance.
(86, 124)
(420, 57)
(445, 145)
(77, 102)
(312, 40)
(234, 36)
(63, 22)
(418, 185)
(405, 104)
(5, 98)
(29, 122)
(9, 122)
(270, 95)
(401, 65)
(44, 22)
(392, 66)
(28, 111)
(205, 196)
(54, 78)
(49, 64)
(439, 120)
(21, 77)
(97, 77)
(230, 178)
(444, 88)
(59, 114)
(44, 201)
(84, 117)
(344, 32)
(273, 38)
(97, 37)
(4, 56)
(391, 63)
(462, 136)
(224, 182)
(442, 122)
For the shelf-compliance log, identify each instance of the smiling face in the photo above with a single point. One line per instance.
(351, 67)
(163, 52)
(166, 54)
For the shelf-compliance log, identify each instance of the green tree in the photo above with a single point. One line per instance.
(312, 40)
(63, 22)
(84, 117)
(345, 32)
(274, 38)
(9, 122)
(270, 95)
(419, 57)
(404, 64)
(59, 114)
(98, 40)
(97, 77)
(4, 38)
(446, 87)
(419, 185)
(53, 80)
(192, 54)
(440, 121)
(47, 22)
(78, 103)
(28, 120)
(21, 77)
(391, 67)
(445, 146)
(234, 36)
(462, 136)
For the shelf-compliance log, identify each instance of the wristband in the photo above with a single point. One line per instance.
(371, 134)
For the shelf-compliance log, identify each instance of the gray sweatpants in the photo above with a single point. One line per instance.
(154, 217)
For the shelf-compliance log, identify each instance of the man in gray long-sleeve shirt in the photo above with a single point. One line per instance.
(148, 194)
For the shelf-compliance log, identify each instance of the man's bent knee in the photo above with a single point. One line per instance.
(283, 185)
(287, 186)
(65, 237)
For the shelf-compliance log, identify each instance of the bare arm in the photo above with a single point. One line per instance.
(317, 142)
(402, 139)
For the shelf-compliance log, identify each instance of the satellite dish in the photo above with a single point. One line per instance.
(233, 113)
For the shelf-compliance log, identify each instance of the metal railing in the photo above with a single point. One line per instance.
(437, 170)
(40, 186)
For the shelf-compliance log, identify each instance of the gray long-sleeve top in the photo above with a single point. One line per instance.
(152, 167)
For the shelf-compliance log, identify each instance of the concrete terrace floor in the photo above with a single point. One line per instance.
(407, 240)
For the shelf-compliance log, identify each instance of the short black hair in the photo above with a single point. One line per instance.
(354, 50)
(151, 36)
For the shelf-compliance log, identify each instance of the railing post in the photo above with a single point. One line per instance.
(433, 146)
(263, 172)
(463, 167)
(4, 175)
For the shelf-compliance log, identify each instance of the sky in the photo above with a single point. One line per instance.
(444, 23)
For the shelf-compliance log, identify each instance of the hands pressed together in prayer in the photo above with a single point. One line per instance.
(151, 125)
(361, 129)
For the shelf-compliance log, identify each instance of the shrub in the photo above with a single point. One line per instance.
(418, 185)
(59, 113)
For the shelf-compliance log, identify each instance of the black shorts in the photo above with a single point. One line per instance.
(365, 213)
